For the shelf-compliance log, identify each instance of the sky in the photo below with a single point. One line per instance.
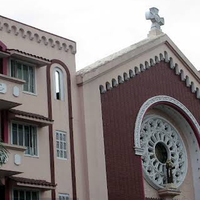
(102, 27)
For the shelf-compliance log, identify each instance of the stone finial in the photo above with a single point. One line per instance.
(156, 20)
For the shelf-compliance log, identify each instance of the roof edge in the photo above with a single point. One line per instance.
(7, 18)
(102, 66)
(27, 32)
(92, 71)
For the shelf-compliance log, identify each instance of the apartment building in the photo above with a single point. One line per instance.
(36, 112)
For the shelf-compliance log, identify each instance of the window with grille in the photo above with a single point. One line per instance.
(63, 196)
(61, 145)
(25, 135)
(25, 72)
(25, 195)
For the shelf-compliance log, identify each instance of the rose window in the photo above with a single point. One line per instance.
(160, 142)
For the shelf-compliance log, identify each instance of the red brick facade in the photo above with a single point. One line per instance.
(120, 107)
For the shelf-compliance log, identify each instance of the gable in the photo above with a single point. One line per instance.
(120, 106)
(139, 57)
(117, 87)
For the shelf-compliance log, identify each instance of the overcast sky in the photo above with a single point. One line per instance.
(102, 27)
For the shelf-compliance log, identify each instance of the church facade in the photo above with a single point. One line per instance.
(125, 127)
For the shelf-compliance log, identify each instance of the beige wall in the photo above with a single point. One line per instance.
(61, 123)
(43, 44)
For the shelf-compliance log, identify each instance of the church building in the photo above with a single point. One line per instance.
(123, 128)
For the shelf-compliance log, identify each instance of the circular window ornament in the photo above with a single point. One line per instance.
(161, 142)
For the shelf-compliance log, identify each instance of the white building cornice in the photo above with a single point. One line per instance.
(35, 35)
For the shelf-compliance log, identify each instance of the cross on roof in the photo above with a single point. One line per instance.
(156, 20)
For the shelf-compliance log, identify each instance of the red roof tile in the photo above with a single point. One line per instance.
(31, 115)
(32, 181)
(1, 50)
(28, 54)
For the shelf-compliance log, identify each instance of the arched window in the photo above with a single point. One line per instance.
(58, 83)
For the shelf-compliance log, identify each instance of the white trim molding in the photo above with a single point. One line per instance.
(26, 32)
(148, 64)
(144, 108)
(158, 131)
(193, 151)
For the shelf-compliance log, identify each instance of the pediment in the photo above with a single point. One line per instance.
(125, 64)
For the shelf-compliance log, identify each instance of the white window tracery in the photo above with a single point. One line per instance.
(160, 142)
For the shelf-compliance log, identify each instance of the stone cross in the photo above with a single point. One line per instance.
(156, 20)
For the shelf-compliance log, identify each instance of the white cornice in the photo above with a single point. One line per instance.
(125, 76)
(27, 32)
(148, 104)
(117, 59)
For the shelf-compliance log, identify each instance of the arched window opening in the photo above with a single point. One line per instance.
(58, 84)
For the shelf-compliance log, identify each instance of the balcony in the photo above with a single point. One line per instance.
(14, 163)
(10, 92)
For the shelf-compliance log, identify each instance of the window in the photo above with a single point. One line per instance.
(63, 196)
(58, 77)
(61, 145)
(25, 135)
(25, 72)
(25, 195)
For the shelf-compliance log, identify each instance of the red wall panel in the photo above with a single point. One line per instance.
(120, 107)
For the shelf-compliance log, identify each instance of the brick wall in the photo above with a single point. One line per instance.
(120, 107)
